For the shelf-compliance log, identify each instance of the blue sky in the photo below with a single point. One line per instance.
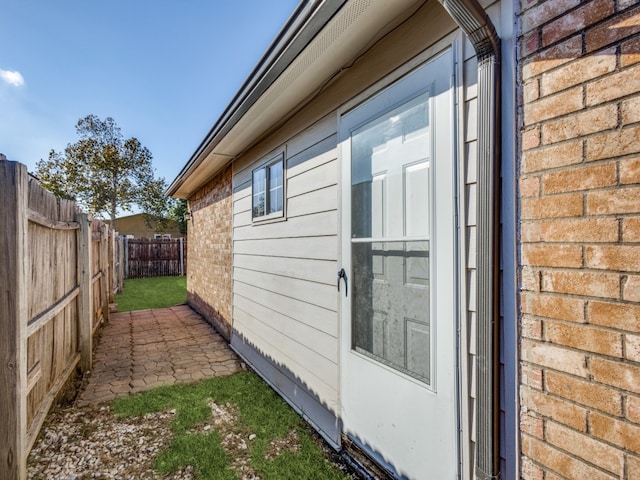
(163, 69)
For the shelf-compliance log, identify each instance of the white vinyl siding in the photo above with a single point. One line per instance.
(470, 160)
(284, 293)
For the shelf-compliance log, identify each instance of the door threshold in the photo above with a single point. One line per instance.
(362, 462)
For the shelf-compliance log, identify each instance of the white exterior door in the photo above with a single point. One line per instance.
(398, 347)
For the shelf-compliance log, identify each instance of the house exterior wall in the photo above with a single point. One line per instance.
(579, 185)
(285, 272)
(285, 311)
(209, 278)
(135, 225)
(285, 302)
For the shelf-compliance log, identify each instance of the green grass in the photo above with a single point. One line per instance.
(260, 412)
(155, 292)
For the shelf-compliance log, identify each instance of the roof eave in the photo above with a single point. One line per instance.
(302, 26)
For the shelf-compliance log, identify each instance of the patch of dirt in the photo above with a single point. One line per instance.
(288, 443)
(224, 419)
(91, 442)
(235, 441)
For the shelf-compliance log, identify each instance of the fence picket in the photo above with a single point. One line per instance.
(13, 320)
(154, 257)
(85, 299)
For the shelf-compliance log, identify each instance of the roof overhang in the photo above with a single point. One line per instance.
(320, 39)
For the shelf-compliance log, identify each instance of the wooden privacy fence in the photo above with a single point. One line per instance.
(155, 257)
(117, 252)
(57, 279)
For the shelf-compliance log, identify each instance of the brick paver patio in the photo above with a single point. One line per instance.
(145, 349)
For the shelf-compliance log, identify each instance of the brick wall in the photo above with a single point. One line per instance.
(579, 68)
(209, 277)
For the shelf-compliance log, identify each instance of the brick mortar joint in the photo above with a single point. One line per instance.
(589, 356)
(525, 12)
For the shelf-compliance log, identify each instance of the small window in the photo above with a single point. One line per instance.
(268, 190)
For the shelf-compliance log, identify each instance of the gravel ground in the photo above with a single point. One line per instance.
(93, 443)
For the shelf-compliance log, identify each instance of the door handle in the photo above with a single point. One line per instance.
(343, 275)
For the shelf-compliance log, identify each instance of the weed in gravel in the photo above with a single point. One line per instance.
(261, 438)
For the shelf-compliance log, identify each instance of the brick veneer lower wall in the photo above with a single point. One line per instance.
(209, 278)
(579, 67)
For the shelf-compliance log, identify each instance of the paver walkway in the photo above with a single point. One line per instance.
(148, 348)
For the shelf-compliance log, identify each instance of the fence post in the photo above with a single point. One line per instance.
(121, 270)
(85, 298)
(181, 256)
(120, 262)
(126, 257)
(113, 265)
(14, 264)
(106, 270)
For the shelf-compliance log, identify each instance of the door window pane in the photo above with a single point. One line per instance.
(391, 202)
(391, 316)
(396, 144)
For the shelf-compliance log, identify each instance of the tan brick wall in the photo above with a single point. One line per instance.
(209, 277)
(579, 71)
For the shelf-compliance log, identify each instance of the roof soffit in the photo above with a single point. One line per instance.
(350, 31)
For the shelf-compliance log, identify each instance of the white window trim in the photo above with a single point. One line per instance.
(279, 157)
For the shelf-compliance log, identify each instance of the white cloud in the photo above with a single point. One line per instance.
(12, 77)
